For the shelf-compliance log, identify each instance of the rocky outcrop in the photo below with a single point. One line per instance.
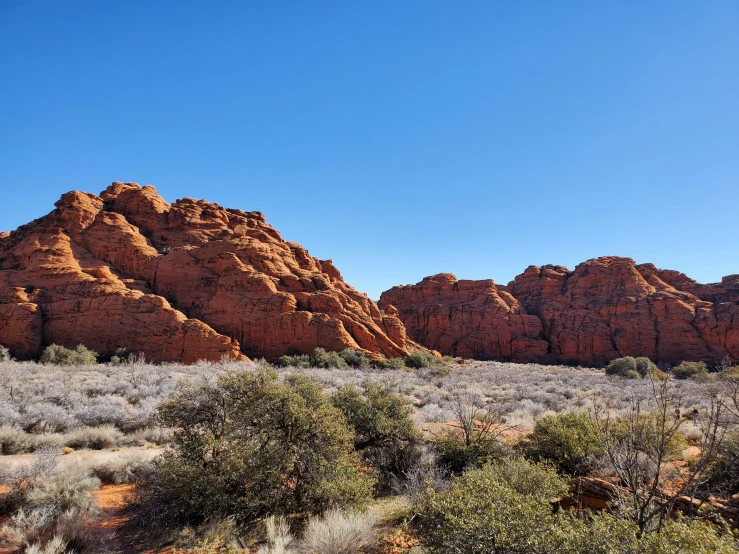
(605, 308)
(184, 281)
(470, 319)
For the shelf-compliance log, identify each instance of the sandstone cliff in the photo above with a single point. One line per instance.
(606, 308)
(184, 281)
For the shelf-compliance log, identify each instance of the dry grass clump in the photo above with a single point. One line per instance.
(49, 508)
(126, 468)
(338, 532)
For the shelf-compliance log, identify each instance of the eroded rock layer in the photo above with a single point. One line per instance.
(184, 281)
(606, 308)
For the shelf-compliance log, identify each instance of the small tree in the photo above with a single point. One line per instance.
(251, 447)
(475, 435)
(639, 447)
(385, 433)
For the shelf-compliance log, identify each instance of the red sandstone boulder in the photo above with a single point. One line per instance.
(184, 281)
(470, 319)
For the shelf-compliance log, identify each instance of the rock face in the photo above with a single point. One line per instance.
(606, 308)
(182, 282)
(471, 319)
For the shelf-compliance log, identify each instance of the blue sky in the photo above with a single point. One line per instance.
(400, 139)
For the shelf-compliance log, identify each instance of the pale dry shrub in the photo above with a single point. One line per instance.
(45, 500)
(338, 532)
(279, 538)
(14, 440)
(56, 545)
(127, 468)
(95, 438)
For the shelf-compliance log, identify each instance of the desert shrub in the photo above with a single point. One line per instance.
(14, 440)
(294, 360)
(689, 370)
(252, 446)
(419, 360)
(456, 455)
(322, 358)
(647, 368)
(338, 532)
(389, 363)
(623, 367)
(4, 354)
(384, 431)
(279, 538)
(60, 355)
(486, 510)
(566, 440)
(354, 358)
(424, 475)
(609, 533)
(45, 500)
(723, 473)
(127, 468)
(122, 355)
(95, 438)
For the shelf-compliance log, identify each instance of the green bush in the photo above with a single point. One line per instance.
(498, 508)
(623, 367)
(322, 358)
(723, 473)
(420, 360)
(689, 370)
(647, 368)
(566, 440)
(456, 456)
(121, 356)
(251, 447)
(295, 360)
(384, 431)
(607, 533)
(60, 355)
(354, 358)
(508, 508)
(390, 363)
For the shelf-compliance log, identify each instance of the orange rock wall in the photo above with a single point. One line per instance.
(605, 308)
(184, 281)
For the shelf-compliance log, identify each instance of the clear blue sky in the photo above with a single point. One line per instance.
(400, 139)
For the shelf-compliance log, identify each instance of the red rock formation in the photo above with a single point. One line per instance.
(186, 281)
(610, 307)
(606, 308)
(471, 319)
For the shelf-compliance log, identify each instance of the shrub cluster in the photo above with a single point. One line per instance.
(48, 507)
(384, 432)
(634, 368)
(251, 446)
(325, 359)
(690, 370)
(566, 440)
(508, 507)
(60, 355)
